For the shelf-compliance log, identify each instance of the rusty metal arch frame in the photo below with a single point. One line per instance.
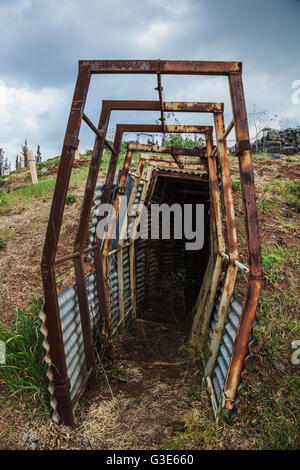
(206, 130)
(51, 322)
(111, 172)
(86, 69)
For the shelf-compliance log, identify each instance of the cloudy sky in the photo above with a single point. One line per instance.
(41, 42)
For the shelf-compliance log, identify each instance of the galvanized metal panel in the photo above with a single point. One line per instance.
(219, 374)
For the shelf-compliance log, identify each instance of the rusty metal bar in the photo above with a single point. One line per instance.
(252, 229)
(98, 133)
(51, 309)
(160, 89)
(208, 289)
(170, 150)
(227, 189)
(85, 320)
(224, 136)
(86, 210)
(232, 245)
(171, 106)
(177, 67)
(241, 266)
(121, 128)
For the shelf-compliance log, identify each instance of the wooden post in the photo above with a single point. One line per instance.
(22, 161)
(77, 156)
(32, 167)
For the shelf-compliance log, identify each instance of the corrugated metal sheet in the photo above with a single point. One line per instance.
(114, 310)
(72, 336)
(72, 330)
(126, 279)
(219, 374)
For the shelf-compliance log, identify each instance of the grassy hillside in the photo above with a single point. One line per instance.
(270, 402)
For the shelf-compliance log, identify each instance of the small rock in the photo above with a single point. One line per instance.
(276, 156)
(279, 367)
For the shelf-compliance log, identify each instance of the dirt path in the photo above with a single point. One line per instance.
(140, 404)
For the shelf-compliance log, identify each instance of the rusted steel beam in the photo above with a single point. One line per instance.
(164, 149)
(252, 229)
(177, 67)
(177, 161)
(227, 189)
(85, 320)
(224, 136)
(215, 193)
(213, 271)
(246, 174)
(92, 179)
(232, 248)
(86, 211)
(241, 343)
(51, 309)
(151, 188)
(171, 128)
(177, 175)
(97, 132)
(193, 107)
(168, 106)
(65, 167)
(169, 159)
(160, 89)
(116, 203)
(122, 128)
(112, 166)
(57, 352)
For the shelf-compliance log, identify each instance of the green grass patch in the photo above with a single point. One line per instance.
(236, 184)
(43, 190)
(267, 206)
(2, 243)
(70, 199)
(273, 258)
(24, 371)
(280, 423)
(293, 195)
(290, 192)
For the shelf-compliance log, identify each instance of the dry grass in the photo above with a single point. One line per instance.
(151, 408)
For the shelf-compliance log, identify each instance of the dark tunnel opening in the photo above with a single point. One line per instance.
(169, 270)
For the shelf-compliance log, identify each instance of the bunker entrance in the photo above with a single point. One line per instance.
(171, 263)
(128, 272)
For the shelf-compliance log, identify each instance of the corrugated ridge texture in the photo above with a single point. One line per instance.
(219, 374)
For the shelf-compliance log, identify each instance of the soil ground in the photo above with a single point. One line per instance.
(142, 401)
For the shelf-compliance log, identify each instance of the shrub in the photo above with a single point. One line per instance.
(236, 184)
(2, 243)
(70, 199)
(273, 259)
(293, 195)
(24, 371)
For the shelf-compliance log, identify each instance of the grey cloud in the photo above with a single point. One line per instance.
(41, 42)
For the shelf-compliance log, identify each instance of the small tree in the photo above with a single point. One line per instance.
(18, 162)
(7, 167)
(38, 157)
(24, 150)
(1, 162)
(174, 140)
